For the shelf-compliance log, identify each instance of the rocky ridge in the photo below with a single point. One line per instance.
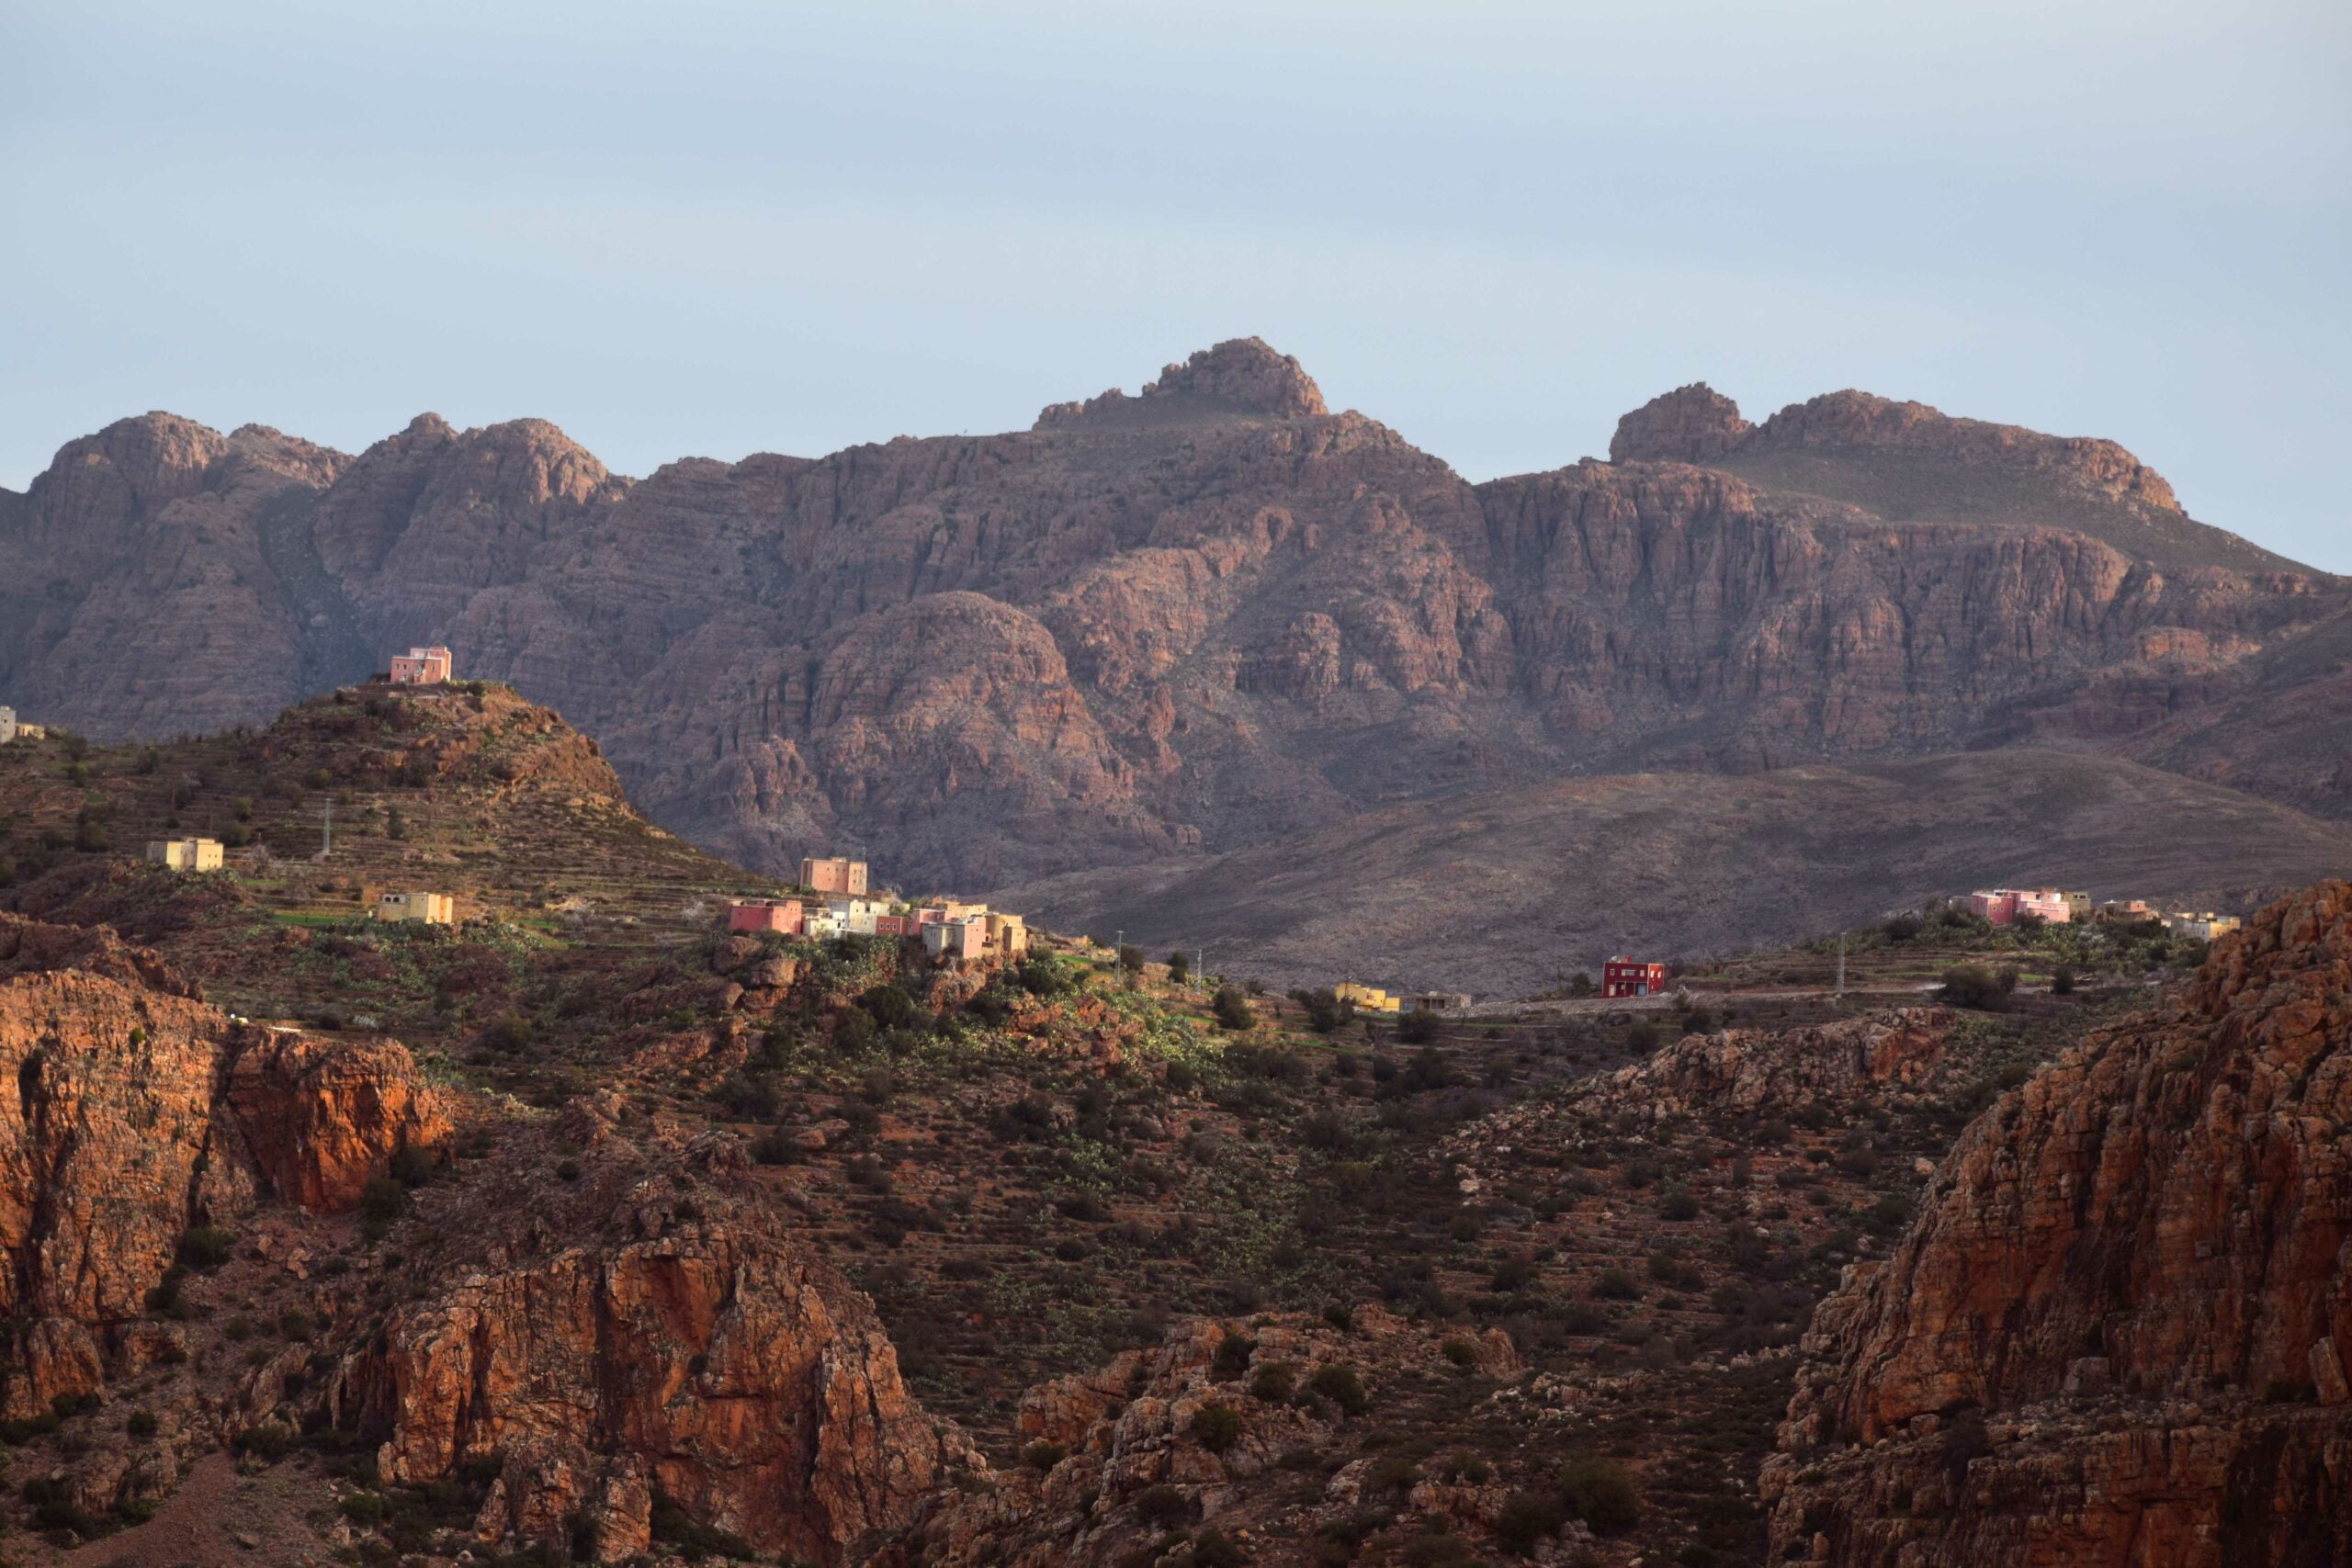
(2115, 1335)
(1203, 617)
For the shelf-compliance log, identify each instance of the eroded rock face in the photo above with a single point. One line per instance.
(115, 1142)
(2117, 1334)
(1748, 1070)
(319, 1118)
(717, 1364)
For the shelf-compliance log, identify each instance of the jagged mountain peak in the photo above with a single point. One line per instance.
(1244, 375)
(1688, 424)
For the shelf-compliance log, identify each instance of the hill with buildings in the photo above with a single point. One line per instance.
(1204, 619)
(585, 1227)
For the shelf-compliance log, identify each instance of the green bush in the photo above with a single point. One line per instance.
(141, 1423)
(1043, 1455)
(1600, 1492)
(1162, 1506)
(1272, 1383)
(1343, 1386)
(1217, 1427)
(1973, 986)
(1677, 1205)
(1233, 1010)
(1233, 1353)
(207, 1247)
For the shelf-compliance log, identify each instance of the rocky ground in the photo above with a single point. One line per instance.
(561, 1237)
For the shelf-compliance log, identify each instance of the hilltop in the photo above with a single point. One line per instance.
(1208, 619)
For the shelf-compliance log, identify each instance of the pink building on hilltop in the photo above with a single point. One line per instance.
(764, 914)
(834, 876)
(421, 667)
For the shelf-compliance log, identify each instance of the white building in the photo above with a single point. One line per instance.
(432, 909)
(8, 725)
(185, 854)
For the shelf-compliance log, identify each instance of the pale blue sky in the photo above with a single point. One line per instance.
(721, 227)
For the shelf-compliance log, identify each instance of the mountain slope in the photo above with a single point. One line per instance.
(1205, 618)
(1502, 891)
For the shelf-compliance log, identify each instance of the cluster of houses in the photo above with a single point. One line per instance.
(840, 904)
(11, 728)
(2005, 906)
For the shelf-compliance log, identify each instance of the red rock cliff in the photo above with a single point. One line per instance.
(2119, 1333)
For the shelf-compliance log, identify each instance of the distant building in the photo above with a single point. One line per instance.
(858, 917)
(1008, 935)
(2078, 905)
(2202, 927)
(846, 877)
(432, 909)
(956, 939)
(1441, 1001)
(1367, 998)
(820, 923)
(764, 914)
(421, 667)
(2002, 906)
(2128, 909)
(8, 725)
(1631, 978)
(185, 854)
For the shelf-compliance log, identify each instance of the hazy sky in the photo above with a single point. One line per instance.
(714, 229)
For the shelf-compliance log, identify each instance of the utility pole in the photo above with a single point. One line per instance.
(326, 829)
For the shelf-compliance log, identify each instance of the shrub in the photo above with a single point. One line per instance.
(1676, 1203)
(509, 1033)
(567, 1170)
(1233, 1011)
(1973, 986)
(269, 1442)
(1417, 1027)
(1162, 1506)
(1325, 1011)
(1461, 1352)
(2062, 981)
(207, 1247)
(366, 1510)
(1217, 1427)
(776, 1147)
(1343, 1386)
(1180, 968)
(1131, 959)
(1233, 1353)
(1600, 1492)
(1903, 927)
(1044, 1455)
(1642, 1036)
(1210, 1549)
(1616, 1285)
(382, 1200)
(141, 1423)
(1272, 1383)
(1526, 1517)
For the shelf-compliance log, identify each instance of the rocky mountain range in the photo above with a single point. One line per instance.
(1215, 619)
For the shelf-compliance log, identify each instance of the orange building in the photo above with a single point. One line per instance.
(421, 667)
(834, 876)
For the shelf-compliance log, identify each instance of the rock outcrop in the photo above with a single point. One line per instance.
(1689, 425)
(2117, 1335)
(1767, 1071)
(319, 1118)
(118, 1140)
(654, 1332)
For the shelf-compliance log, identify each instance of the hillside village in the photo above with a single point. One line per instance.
(1395, 1240)
(831, 899)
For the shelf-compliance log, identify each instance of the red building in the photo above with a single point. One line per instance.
(421, 667)
(1624, 978)
(764, 914)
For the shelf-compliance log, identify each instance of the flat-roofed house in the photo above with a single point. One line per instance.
(430, 908)
(185, 854)
(782, 915)
(421, 667)
(834, 876)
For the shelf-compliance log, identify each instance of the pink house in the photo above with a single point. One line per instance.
(2002, 906)
(896, 925)
(764, 914)
(421, 667)
(844, 876)
(956, 939)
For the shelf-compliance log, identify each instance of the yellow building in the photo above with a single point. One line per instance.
(1367, 998)
(1008, 935)
(185, 854)
(433, 909)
